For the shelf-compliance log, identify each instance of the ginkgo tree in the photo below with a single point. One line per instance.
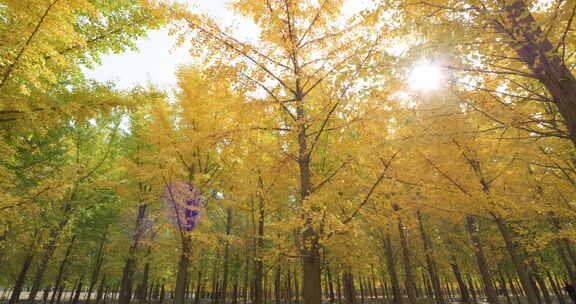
(300, 163)
(307, 65)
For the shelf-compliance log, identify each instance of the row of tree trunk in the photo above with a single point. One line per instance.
(284, 287)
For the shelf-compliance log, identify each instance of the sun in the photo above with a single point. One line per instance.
(425, 76)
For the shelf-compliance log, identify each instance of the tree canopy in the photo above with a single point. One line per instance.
(304, 165)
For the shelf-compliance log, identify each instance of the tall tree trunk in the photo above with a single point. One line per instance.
(182, 275)
(349, 292)
(141, 291)
(246, 289)
(61, 269)
(222, 298)
(100, 292)
(430, 262)
(22, 276)
(373, 279)
(563, 247)
(130, 266)
(162, 294)
(339, 288)
(391, 266)
(515, 292)
(106, 295)
(461, 285)
(198, 287)
(556, 288)
(533, 47)
(362, 290)
(310, 249)
(504, 289)
(472, 289)
(569, 266)
(428, 290)
(448, 289)
(78, 291)
(325, 289)
(386, 289)
(235, 290)
(543, 288)
(289, 287)
(409, 280)
(535, 287)
(491, 294)
(519, 264)
(330, 284)
(126, 282)
(311, 285)
(277, 286)
(48, 252)
(60, 292)
(297, 290)
(97, 266)
(258, 263)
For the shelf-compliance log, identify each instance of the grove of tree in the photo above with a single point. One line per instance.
(301, 166)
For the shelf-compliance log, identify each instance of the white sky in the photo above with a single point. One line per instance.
(157, 60)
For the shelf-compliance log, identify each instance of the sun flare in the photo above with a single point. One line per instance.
(425, 76)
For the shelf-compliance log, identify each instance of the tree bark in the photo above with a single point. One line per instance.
(517, 294)
(461, 285)
(235, 290)
(97, 267)
(491, 294)
(409, 280)
(349, 292)
(50, 248)
(60, 292)
(289, 287)
(428, 290)
(78, 290)
(296, 288)
(472, 289)
(162, 294)
(391, 266)
(330, 284)
(504, 288)
(556, 289)
(373, 280)
(519, 264)
(562, 245)
(130, 266)
(222, 298)
(258, 263)
(198, 287)
(535, 49)
(277, 286)
(430, 262)
(543, 288)
(362, 290)
(21, 277)
(141, 291)
(61, 269)
(100, 292)
(182, 276)
(339, 288)
(311, 285)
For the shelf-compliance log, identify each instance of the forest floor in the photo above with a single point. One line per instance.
(67, 298)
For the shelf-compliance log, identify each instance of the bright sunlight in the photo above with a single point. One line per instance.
(425, 76)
